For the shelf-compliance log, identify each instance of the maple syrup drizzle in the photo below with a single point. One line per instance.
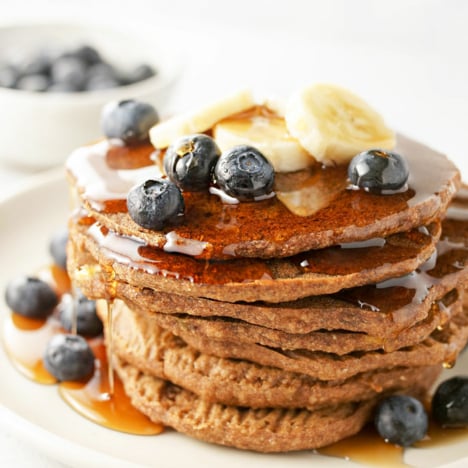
(340, 260)
(110, 347)
(74, 308)
(135, 253)
(111, 291)
(450, 257)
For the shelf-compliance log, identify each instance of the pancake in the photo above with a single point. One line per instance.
(262, 430)
(339, 342)
(278, 281)
(379, 310)
(441, 347)
(158, 352)
(211, 229)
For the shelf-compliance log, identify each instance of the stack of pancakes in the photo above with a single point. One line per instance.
(254, 327)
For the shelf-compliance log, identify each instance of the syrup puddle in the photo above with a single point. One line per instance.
(105, 402)
(438, 436)
(369, 449)
(25, 341)
(366, 448)
(102, 398)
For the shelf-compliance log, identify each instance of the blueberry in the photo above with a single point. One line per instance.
(37, 64)
(401, 420)
(30, 297)
(139, 73)
(189, 162)
(69, 70)
(129, 120)
(87, 54)
(8, 76)
(33, 83)
(102, 71)
(69, 357)
(97, 83)
(87, 321)
(450, 403)
(155, 203)
(377, 170)
(243, 172)
(58, 248)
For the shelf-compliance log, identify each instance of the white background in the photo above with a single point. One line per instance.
(408, 58)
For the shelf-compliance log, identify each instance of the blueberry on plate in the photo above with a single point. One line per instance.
(155, 203)
(129, 120)
(401, 420)
(58, 247)
(189, 162)
(69, 357)
(377, 170)
(244, 173)
(30, 297)
(87, 321)
(450, 403)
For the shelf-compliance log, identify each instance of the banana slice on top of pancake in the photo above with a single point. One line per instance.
(322, 122)
(200, 120)
(267, 132)
(334, 124)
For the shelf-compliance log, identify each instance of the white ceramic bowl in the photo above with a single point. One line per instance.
(39, 130)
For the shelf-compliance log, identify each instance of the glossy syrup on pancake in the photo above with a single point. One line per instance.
(340, 260)
(268, 228)
(386, 296)
(450, 258)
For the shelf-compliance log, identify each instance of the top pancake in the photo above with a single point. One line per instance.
(267, 229)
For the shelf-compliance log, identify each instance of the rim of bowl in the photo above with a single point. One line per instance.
(170, 69)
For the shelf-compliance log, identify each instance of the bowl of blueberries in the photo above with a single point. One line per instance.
(56, 78)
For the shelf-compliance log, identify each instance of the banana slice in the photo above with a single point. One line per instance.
(268, 133)
(163, 134)
(334, 125)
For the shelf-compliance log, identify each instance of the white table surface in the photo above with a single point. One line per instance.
(408, 58)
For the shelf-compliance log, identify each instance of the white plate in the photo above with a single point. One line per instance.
(37, 414)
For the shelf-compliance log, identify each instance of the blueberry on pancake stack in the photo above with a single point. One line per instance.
(271, 272)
